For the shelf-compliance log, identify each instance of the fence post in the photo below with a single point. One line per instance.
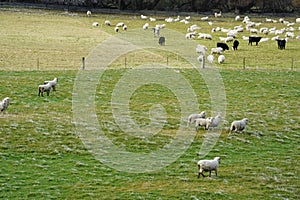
(83, 63)
(167, 60)
(203, 62)
(244, 63)
(37, 63)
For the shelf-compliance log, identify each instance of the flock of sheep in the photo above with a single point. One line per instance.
(231, 35)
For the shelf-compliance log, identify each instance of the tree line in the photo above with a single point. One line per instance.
(236, 6)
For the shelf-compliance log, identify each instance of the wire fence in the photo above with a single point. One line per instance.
(134, 60)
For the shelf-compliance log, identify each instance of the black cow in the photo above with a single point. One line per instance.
(235, 44)
(223, 46)
(161, 40)
(254, 39)
(281, 44)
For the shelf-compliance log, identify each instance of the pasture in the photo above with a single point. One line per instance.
(43, 157)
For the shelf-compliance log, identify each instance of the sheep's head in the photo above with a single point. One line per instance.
(218, 159)
(246, 120)
(203, 114)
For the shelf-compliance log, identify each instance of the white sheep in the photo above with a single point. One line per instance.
(239, 125)
(88, 13)
(53, 83)
(125, 28)
(208, 166)
(210, 58)
(204, 18)
(144, 17)
(205, 36)
(205, 122)
(237, 18)
(221, 59)
(120, 24)
(44, 88)
(95, 24)
(107, 23)
(4, 104)
(216, 50)
(146, 26)
(201, 49)
(215, 121)
(218, 14)
(152, 19)
(193, 117)
(116, 29)
(298, 20)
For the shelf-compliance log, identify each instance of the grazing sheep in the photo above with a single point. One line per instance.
(4, 104)
(203, 122)
(120, 24)
(161, 41)
(205, 36)
(156, 31)
(281, 44)
(204, 18)
(116, 29)
(218, 14)
(235, 45)
(223, 46)
(298, 20)
(144, 17)
(210, 58)
(264, 39)
(237, 18)
(239, 125)
(107, 23)
(152, 19)
(146, 26)
(88, 13)
(254, 39)
(208, 166)
(217, 50)
(200, 58)
(190, 35)
(221, 59)
(95, 24)
(44, 88)
(193, 117)
(53, 83)
(125, 28)
(201, 49)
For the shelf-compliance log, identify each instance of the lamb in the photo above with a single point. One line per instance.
(221, 59)
(208, 166)
(193, 117)
(239, 125)
(206, 122)
(4, 104)
(53, 83)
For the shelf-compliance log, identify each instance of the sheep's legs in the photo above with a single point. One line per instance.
(201, 174)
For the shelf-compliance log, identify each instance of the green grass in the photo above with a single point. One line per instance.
(42, 157)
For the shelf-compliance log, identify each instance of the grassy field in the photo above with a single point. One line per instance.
(42, 156)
